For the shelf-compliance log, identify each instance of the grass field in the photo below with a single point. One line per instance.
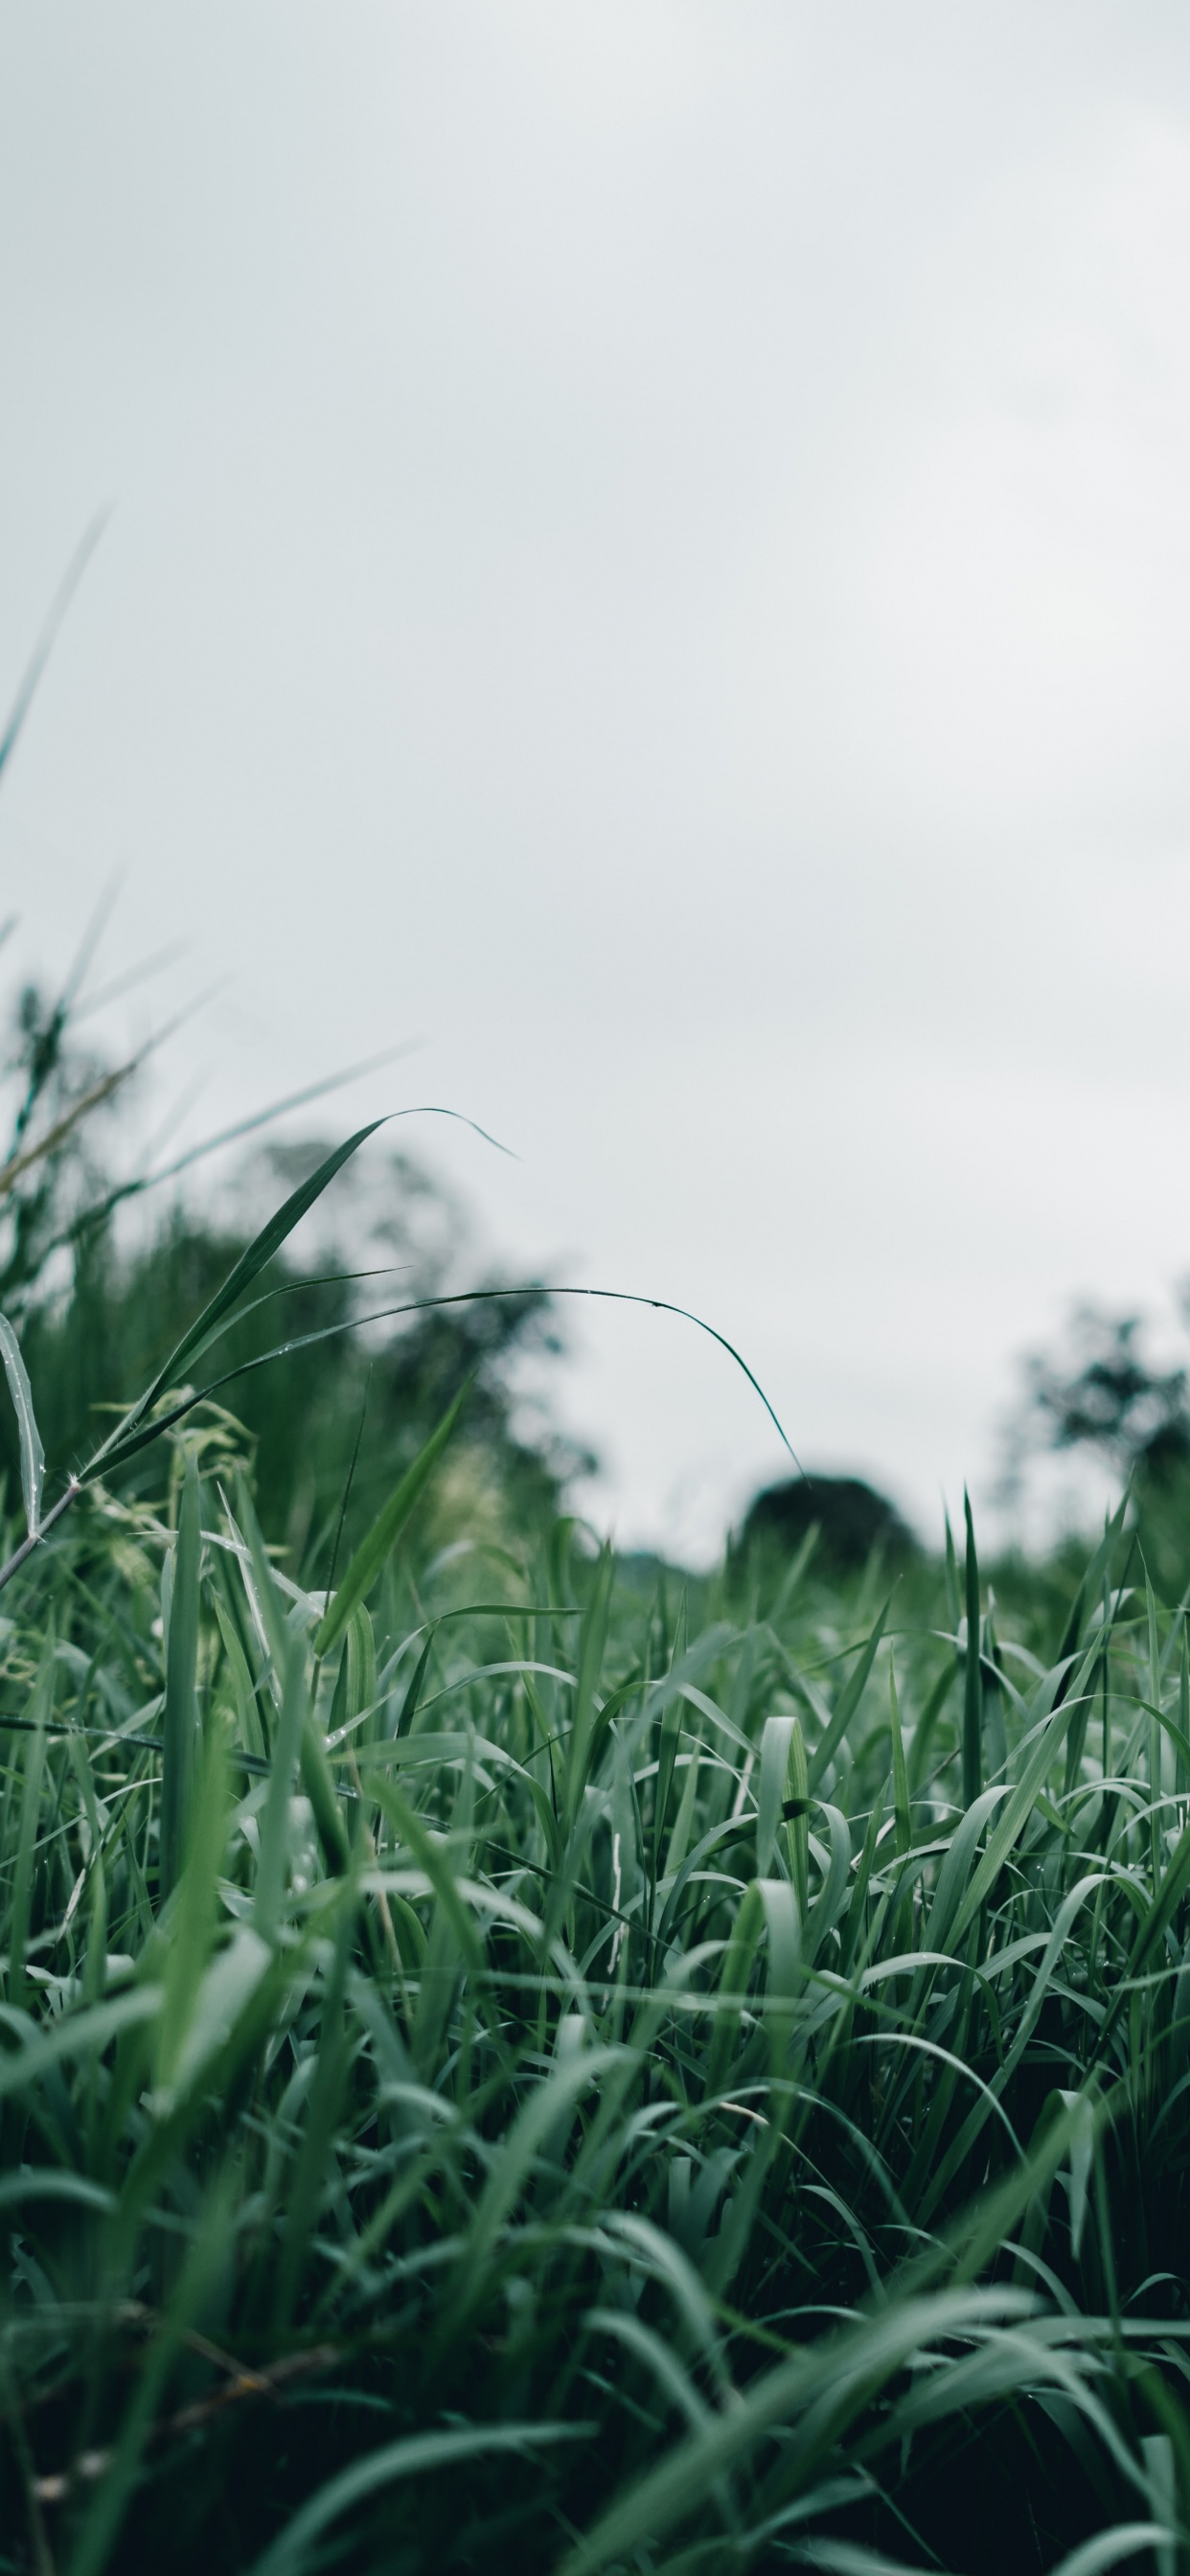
(508, 2061)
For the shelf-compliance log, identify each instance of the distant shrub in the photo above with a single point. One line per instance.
(851, 1520)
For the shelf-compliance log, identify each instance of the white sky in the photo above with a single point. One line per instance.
(651, 552)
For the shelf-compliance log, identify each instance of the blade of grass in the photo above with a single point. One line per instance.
(180, 1718)
(386, 1529)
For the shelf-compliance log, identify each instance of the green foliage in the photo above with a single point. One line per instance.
(93, 1346)
(105, 1315)
(531, 2062)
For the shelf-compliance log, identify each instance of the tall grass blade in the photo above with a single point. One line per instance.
(216, 1312)
(180, 1717)
(32, 1453)
(973, 1674)
(386, 1529)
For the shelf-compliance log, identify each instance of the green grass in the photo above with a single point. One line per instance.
(524, 2063)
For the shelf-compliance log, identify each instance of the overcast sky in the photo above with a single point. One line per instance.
(651, 553)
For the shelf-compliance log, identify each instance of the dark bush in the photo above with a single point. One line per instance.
(851, 1519)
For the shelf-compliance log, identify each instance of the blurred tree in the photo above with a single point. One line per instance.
(1102, 1393)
